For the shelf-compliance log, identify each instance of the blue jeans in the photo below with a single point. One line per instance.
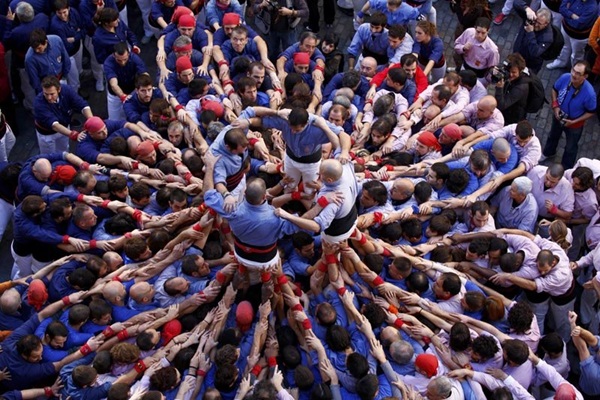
(573, 135)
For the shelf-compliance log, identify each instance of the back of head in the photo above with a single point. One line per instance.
(367, 387)
(402, 352)
(256, 191)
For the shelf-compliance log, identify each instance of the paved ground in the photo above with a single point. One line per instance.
(503, 35)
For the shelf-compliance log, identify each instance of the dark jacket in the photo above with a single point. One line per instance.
(531, 45)
(512, 99)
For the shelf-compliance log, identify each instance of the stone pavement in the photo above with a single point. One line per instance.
(503, 35)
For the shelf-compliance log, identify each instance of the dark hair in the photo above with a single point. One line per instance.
(391, 233)
(444, 92)
(374, 262)
(585, 176)
(423, 191)
(397, 31)
(303, 377)
(552, 343)
(516, 351)
(367, 387)
(357, 365)
(483, 22)
(374, 314)
(516, 60)
(82, 278)
(468, 78)
(118, 391)
(338, 338)
(164, 379)
(83, 375)
(351, 79)
(451, 283)
(397, 75)
(301, 239)
(440, 224)
(37, 37)
(121, 48)
(412, 228)
(520, 317)
(78, 313)
(524, 129)
(408, 59)
(417, 282)
(486, 346)
(27, 344)
(105, 16)
(378, 19)
(377, 191)
(460, 337)
(442, 171)
(298, 117)
(119, 224)
(56, 329)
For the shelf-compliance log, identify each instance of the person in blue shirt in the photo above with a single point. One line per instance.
(430, 50)
(180, 80)
(139, 100)
(22, 352)
(216, 10)
(503, 154)
(66, 23)
(120, 70)
(237, 46)
(246, 88)
(87, 10)
(302, 65)
(47, 56)
(370, 40)
(306, 44)
(162, 11)
(111, 30)
(16, 38)
(182, 46)
(397, 11)
(573, 103)
(54, 108)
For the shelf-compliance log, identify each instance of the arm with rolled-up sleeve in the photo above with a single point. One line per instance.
(327, 215)
(461, 100)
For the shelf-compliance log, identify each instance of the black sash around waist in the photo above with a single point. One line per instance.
(339, 226)
(309, 159)
(254, 253)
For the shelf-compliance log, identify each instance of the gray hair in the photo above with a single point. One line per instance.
(442, 386)
(402, 352)
(182, 41)
(523, 185)
(545, 13)
(24, 12)
(175, 126)
(501, 145)
(213, 129)
(342, 101)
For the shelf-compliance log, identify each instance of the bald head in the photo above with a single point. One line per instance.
(140, 290)
(42, 169)
(10, 301)
(389, 335)
(113, 260)
(256, 191)
(368, 67)
(403, 189)
(331, 171)
(114, 292)
(489, 102)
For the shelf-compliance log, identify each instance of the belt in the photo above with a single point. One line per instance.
(339, 226)
(309, 159)
(42, 130)
(566, 297)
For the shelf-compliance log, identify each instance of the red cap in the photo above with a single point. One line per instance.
(179, 11)
(145, 148)
(94, 124)
(170, 330)
(186, 21)
(37, 294)
(428, 363)
(63, 173)
(301, 58)
(452, 131)
(214, 106)
(231, 19)
(244, 315)
(183, 63)
(428, 139)
(565, 391)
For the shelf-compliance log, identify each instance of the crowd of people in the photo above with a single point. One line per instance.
(273, 217)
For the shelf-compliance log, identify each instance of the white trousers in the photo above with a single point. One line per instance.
(6, 212)
(73, 75)
(96, 67)
(115, 107)
(56, 143)
(145, 8)
(299, 171)
(574, 48)
(22, 265)
(6, 144)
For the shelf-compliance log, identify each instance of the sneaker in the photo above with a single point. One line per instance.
(555, 64)
(499, 19)
(99, 86)
(146, 39)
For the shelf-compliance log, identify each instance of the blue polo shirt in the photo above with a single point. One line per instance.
(125, 74)
(89, 149)
(46, 114)
(575, 102)
(104, 41)
(134, 108)
(73, 28)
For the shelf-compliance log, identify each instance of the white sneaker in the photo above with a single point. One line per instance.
(555, 64)
(99, 86)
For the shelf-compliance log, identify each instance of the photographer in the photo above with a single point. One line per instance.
(573, 102)
(512, 88)
(285, 17)
(534, 39)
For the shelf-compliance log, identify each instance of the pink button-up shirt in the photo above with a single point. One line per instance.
(586, 202)
(481, 55)
(561, 195)
(460, 99)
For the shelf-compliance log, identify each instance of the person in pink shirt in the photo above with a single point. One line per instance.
(477, 50)
(482, 116)
(552, 191)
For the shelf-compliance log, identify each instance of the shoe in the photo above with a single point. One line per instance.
(545, 157)
(499, 19)
(450, 69)
(99, 86)
(555, 64)
(146, 39)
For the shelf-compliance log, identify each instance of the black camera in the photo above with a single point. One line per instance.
(530, 22)
(501, 72)
(273, 4)
(562, 117)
